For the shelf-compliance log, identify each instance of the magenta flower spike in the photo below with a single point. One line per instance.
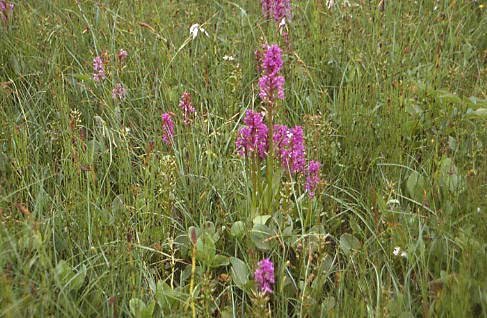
(267, 8)
(187, 107)
(282, 10)
(119, 92)
(271, 84)
(313, 177)
(264, 276)
(276, 9)
(272, 62)
(122, 55)
(99, 68)
(6, 9)
(289, 147)
(253, 136)
(167, 129)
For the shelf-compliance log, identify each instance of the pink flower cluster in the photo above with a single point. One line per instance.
(99, 64)
(271, 83)
(253, 136)
(276, 9)
(187, 107)
(119, 92)
(264, 275)
(313, 177)
(168, 123)
(289, 143)
(289, 147)
(99, 69)
(6, 9)
(167, 128)
(122, 55)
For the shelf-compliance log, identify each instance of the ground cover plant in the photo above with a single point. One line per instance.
(249, 158)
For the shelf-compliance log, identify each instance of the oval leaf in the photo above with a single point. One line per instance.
(348, 242)
(240, 272)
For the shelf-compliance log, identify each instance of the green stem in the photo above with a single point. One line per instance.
(308, 213)
(270, 160)
(191, 284)
(253, 175)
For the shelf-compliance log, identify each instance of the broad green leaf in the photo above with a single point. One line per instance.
(64, 273)
(348, 242)
(288, 231)
(163, 292)
(68, 278)
(478, 113)
(205, 249)
(240, 272)
(477, 101)
(149, 310)
(449, 97)
(260, 236)
(136, 305)
(261, 219)
(220, 260)
(327, 265)
(117, 205)
(79, 278)
(210, 228)
(415, 186)
(238, 229)
(328, 303)
(140, 310)
(168, 298)
(448, 176)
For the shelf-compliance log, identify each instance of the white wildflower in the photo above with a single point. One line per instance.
(195, 29)
(393, 202)
(330, 4)
(282, 24)
(229, 58)
(396, 251)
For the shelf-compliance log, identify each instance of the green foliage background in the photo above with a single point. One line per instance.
(94, 223)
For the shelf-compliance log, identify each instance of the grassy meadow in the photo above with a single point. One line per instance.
(99, 217)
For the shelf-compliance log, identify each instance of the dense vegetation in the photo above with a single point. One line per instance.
(101, 217)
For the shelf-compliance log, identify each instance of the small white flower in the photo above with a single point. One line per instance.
(195, 29)
(229, 58)
(393, 202)
(478, 210)
(282, 24)
(330, 4)
(396, 251)
(127, 130)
